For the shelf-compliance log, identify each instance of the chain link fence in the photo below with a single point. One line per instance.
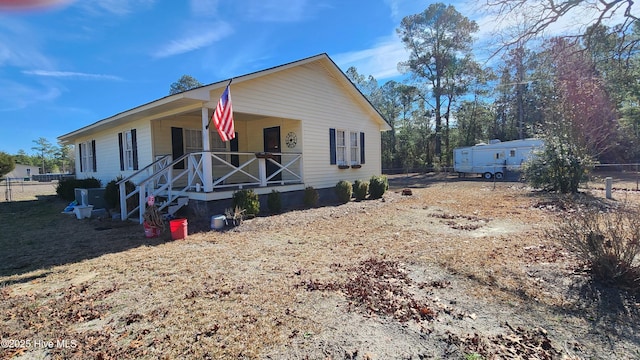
(624, 176)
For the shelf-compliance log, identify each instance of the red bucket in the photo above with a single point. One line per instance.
(178, 229)
(151, 231)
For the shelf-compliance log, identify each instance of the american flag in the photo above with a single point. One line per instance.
(223, 117)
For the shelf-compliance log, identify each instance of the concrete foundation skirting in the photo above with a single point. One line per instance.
(200, 209)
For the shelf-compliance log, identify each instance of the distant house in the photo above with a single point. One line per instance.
(297, 125)
(23, 172)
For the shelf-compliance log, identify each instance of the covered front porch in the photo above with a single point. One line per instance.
(191, 162)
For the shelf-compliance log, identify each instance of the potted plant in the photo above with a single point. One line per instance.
(152, 220)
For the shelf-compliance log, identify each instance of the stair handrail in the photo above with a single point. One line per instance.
(124, 211)
(163, 157)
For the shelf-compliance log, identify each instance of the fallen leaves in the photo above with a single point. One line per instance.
(379, 287)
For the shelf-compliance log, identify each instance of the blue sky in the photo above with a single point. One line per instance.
(65, 64)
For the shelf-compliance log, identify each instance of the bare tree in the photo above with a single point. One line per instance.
(524, 20)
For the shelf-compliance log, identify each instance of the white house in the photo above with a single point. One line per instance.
(297, 125)
(23, 172)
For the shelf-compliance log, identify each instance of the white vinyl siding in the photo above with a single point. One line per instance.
(311, 94)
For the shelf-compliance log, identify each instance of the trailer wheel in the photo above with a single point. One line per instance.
(499, 176)
(487, 175)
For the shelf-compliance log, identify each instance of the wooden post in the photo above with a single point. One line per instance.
(608, 185)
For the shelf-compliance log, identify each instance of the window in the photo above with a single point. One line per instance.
(512, 153)
(192, 140)
(87, 156)
(128, 151)
(355, 148)
(341, 148)
(216, 142)
(128, 147)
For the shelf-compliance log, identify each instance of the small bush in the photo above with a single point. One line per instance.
(274, 202)
(360, 189)
(247, 200)
(378, 185)
(344, 189)
(66, 187)
(112, 194)
(311, 197)
(608, 242)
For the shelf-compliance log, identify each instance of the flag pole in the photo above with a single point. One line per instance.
(214, 110)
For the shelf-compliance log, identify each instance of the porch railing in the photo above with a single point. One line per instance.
(231, 170)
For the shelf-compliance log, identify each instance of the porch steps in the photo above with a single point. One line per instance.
(177, 205)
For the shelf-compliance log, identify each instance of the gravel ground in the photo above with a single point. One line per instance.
(457, 269)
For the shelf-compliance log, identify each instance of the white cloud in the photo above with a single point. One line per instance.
(19, 96)
(19, 45)
(276, 11)
(196, 41)
(204, 8)
(380, 61)
(394, 6)
(114, 7)
(70, 74)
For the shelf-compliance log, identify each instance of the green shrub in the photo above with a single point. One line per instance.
(344, 189)
(247, 200)
(378, 185)
(360, 189)
(66, 187)
(311, 197)
(112, 194)
(274, 202)
(561, 166)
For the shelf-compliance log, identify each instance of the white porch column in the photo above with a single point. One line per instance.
(207, 164)
(262, 171)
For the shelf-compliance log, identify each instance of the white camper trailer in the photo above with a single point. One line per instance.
(495, 158)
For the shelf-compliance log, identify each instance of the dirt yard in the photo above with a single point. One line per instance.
(460, 269)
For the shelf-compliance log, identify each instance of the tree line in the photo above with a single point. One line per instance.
(582, 87)
(50, 158)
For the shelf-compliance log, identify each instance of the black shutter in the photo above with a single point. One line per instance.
(134, 144)
(121, 147)
(177, 146)
(332, 146)
(93, 151)
(233, 147)
(79, 148)
(361, 148)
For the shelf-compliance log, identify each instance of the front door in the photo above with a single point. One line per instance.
(272, 145)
